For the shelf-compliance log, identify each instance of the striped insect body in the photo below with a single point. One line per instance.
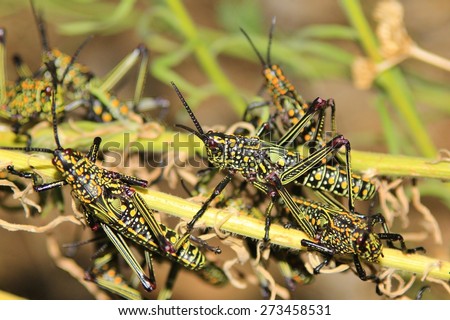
(253, 159)
(290, 106)
(340, 231)
(110, 202)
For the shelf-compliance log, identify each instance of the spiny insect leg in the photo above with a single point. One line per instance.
(391, 237)
(361, 272)
(316, 106)
(202, 243)
(148, 282)
(34, 177)
(217, 190)
(266, 238)
(148, 215)
(149, 262)
(327, 253)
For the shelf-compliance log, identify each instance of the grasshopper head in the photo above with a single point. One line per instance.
(367, 245)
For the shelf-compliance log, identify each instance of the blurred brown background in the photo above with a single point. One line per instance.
(25, 267)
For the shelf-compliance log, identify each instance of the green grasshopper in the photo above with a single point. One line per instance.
(82, 87)
(268, 166)
(290, 106)
(27, 101)
(110, 202)
(340, 231)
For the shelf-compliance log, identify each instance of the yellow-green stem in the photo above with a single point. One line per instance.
(204, 56)
(382, 164)
(374, 164)
(240, 223)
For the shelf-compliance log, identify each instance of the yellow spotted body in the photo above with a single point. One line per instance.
(107, 199)
(258, 160)
(74, 76)
(334, 179)
(340, 230)
(290, 105)
(28, 101)
(79, 84)
(107, 108)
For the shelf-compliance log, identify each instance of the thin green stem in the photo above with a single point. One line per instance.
(79, 135)
(391, 81)
(205, 57)
(381, 164)
(390, 130)
(235, 222)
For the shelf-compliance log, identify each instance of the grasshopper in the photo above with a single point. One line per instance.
(110, 202)
(268, 166)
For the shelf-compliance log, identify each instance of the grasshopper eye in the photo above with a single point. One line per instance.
(48, 91)
(213, 145)
(361, 241)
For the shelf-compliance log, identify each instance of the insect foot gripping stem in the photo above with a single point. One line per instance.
(108, 201)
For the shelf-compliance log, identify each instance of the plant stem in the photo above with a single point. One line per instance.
(391, 81)
(378, 164)
(381, 164)
(240, 223)
(205, 57)
(9, 296)
(290, 238)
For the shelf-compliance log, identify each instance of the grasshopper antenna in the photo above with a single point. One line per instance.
(269, 46)
(188, 109)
